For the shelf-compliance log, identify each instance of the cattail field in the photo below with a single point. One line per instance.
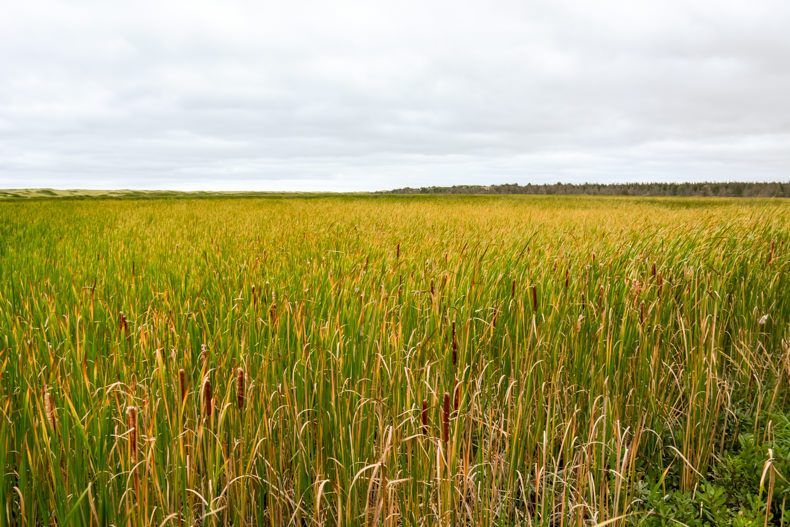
(393, 361)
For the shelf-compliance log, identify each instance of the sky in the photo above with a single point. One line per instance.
(366, 95)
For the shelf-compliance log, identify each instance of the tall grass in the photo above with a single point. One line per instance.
(380, 361)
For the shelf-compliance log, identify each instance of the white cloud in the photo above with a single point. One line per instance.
(368, 95)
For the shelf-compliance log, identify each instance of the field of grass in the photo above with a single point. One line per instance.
(482, 361)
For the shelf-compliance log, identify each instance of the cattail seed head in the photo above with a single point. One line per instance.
(513, 289)
(397, 251)
(182, 377)
(535, 297)
(203, 355)
(49, 409)
(207, 397)
(131, 425)
(425, 417)
(273, 308)
(567, 277)
(240, 388)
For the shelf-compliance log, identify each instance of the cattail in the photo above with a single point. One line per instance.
(446, 419)
(397, 251)
(240, 388)
(207, 397)
(660, 280)
(49, 409)
(203, 355)
(567, 277)
(183, 381)
(123, 324)
(273, 308)
(254, 297)
(535, 298)
(642, 313)
(513, 289)
(653, 271)
(425, 417)
(432, 290)
(455, 347)
(131, 425)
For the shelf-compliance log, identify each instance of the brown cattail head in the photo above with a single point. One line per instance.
(567, 277)
(432, 288)
(273, 308)
(660, 281)
(123, 324)
(455, 347)
(513, 289)
(207, 397)
(254, 297)
(397, 251)
(653, 271)
(446, 418)
(535, 297)
(49, 408)
(182, 378)
(240, 388)
(642, 313)
(425, 417)
(203, 356)
(131, 425)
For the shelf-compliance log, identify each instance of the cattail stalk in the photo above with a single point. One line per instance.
(456, 395)
(425, 417)
(455, 347)
(240, 388)
(446, 419)
(131, 425)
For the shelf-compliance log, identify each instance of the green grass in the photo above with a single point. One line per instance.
(616, 392)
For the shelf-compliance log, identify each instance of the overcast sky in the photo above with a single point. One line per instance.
(335, 95)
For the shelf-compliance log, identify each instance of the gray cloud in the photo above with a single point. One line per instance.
(364, 96)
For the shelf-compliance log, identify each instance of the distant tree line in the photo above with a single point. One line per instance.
(709, 189)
